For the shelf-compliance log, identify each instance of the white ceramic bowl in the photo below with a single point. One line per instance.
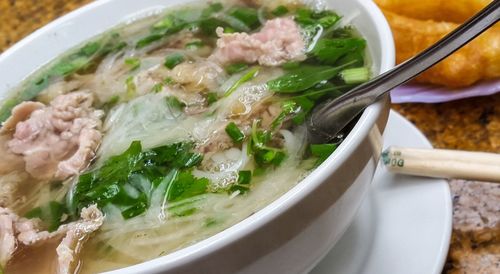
(294, 232)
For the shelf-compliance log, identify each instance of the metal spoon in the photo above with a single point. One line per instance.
(328, 119)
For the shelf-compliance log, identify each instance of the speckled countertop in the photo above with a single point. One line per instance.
(472, 124)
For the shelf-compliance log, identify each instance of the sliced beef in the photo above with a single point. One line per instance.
(65, 244)
(278, 42)
(58, 140)
(7, 235)
(77, 234)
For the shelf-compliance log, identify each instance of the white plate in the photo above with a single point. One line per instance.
(404, 225)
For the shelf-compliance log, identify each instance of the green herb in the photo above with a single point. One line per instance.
(234, 23)
(303, 78)
(173, 60)
(186, 206)
(307, 18)
(134, 63)
(269, 156)
(322, 151)
(355, 75)
(172, 23)
(243, 183)
(131, 87)
(329, 51)
(209, 25)
(264, 155)
(288, 108)
(157, 87)
(168, 81)
(111, 102)
(127, 180)
(235, 133)
(194, 45)
(280, 11)
(306, 105)
(51, 214)
(291, 65)
(212, 8)
(212, 97)
(252, 73)
(185, 186)
(247, 16)
(82, 60)
(146, 41)
(235, 68)
(209, 222)
(174, 103)
(243, 19)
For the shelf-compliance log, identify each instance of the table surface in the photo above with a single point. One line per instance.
(472, 124)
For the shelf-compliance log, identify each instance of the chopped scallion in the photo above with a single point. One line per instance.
(355, 75)
(235, 133)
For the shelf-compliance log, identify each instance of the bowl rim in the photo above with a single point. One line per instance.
(282, 203)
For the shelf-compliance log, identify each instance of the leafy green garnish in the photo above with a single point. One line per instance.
(235, 68)
(308, 18)
(288, 108)
(322, 151)
(212, 97)
(127, 180)
(184, 186)
(235, 133)
(51, 214)
(146, 41)
(173, 60)
(306, 105)
(174, 103)
(212, 8)
(243, 183)
(280, 11)
(264, 155)
(134, 63)
(302, 78)
(194, 45)
(248, 16)
(168, 81)
(131, 88)
(81, 60)
(252, 73)
(111, 102)
(329, 51)
(157, 87)
(172, 23)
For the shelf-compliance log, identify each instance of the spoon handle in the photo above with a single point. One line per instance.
(331, 117)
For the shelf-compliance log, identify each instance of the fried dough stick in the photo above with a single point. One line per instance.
(478, 60)
(457, 11)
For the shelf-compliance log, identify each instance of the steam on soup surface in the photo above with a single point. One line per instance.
(165, 131)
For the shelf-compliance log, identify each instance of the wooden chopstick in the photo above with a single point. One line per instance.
(442, 163)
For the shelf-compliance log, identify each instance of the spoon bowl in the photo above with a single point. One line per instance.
(329, 118)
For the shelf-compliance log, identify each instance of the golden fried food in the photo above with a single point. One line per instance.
(478, 60)
(457, 11)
